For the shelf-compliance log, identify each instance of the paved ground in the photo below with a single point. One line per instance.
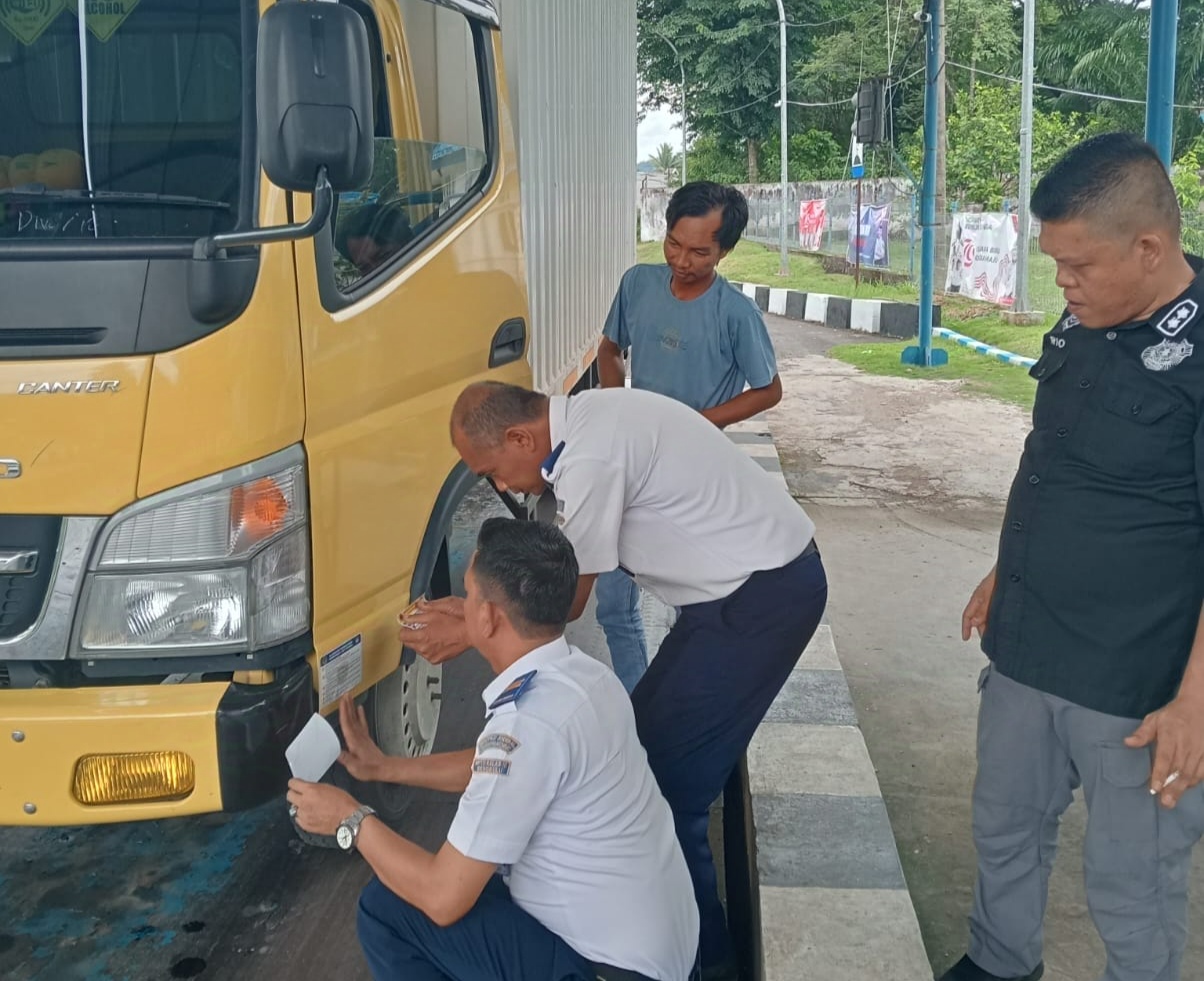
(906, 482)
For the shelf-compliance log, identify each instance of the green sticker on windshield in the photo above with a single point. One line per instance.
(103, 16)
(27, 19)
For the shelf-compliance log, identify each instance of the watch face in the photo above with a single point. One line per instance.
(344, 837)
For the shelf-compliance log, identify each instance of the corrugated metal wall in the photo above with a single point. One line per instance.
(571, 71)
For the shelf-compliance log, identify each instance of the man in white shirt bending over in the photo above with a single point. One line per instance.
(646, 484)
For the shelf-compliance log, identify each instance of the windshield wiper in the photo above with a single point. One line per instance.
(39, 193)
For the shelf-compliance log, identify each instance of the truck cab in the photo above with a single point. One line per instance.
(250, 253)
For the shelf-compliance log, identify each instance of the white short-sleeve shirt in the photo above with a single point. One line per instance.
(648, 484)
(562, 795)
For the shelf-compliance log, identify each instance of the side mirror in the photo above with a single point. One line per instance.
(314, 95)
(314, 115)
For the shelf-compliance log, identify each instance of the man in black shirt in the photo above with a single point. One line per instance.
(1091, 617)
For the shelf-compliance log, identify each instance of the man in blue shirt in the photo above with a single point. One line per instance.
(692, 337)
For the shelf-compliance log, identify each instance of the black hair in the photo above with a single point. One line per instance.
(383, 223)
(530, 570)
(699, 198)
(1116, 177)
(485, 410)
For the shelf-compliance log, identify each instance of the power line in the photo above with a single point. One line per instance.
(1062, 91)
(821, 105)
(712, 33)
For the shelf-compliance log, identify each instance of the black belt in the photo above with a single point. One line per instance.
(811, 549)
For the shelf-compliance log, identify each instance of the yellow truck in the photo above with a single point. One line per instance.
(250, 252)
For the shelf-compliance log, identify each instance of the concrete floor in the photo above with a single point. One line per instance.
(906, 482)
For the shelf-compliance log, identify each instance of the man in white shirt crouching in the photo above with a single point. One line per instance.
(557, 796)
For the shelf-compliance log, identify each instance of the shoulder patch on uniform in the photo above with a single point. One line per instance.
(499, 768)
(497, 740)
(1182, 314)
(1070, 321)
(514, 691)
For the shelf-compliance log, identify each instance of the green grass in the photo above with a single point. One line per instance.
(752, 263)
(979, 375)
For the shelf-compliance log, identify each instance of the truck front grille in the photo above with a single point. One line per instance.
(22, 596)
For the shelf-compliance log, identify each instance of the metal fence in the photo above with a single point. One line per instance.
(896, 195)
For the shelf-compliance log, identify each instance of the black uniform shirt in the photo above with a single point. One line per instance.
(1101, 556)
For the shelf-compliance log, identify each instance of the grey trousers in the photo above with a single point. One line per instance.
(1034, 751)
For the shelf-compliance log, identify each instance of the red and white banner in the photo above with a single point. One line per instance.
(982, 257)
(812, 220)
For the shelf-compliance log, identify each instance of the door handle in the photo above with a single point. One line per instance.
(509, 343)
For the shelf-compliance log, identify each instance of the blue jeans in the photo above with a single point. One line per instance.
(618, 614)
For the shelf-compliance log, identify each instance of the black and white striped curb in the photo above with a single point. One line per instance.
(830, 893)
(887, 317)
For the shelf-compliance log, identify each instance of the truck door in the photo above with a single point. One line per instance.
(402, 301)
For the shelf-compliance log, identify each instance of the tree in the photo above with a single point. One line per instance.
(667, 161)
(984, 135)
(730, 50)
(1103, 46)
(1185, 175)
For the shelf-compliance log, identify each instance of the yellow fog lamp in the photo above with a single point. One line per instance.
(127, 778)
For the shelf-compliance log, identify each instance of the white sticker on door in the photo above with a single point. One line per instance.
(340, 671)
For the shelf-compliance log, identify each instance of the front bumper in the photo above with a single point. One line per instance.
(235, 734)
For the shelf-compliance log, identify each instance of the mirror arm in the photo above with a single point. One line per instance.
(207, 248)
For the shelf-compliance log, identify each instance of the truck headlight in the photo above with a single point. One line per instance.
(217, 566)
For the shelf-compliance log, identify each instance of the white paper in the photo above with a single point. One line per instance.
(316, 747)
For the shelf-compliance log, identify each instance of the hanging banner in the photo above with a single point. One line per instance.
(982, 257)
(873, 240)
(812, 220)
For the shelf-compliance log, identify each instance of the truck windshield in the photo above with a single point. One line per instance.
(122, 119)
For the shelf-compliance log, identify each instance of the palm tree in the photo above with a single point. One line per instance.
(1104, 47)
(667, 161)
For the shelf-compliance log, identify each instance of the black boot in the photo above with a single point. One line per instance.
(967, 970)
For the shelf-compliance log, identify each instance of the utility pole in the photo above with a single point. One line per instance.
(942, 141)
(923, 355)
(682, 65)
(1160, 78)
(1026, 157)
(784, 268)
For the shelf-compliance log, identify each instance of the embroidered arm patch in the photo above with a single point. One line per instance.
(499, 768)
(498, 740)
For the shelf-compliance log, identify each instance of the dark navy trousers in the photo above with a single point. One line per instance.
(495, 941)
(703, 696)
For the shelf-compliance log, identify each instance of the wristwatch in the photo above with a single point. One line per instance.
(348, 831)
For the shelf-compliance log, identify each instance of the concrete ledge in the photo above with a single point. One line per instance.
(840, 312)
(823, 894)
(777, 301)
(816, 309)
(866, 317)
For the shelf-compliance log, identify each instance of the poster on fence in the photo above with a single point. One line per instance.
(982, 257)
(812, 219)
(873, 242)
